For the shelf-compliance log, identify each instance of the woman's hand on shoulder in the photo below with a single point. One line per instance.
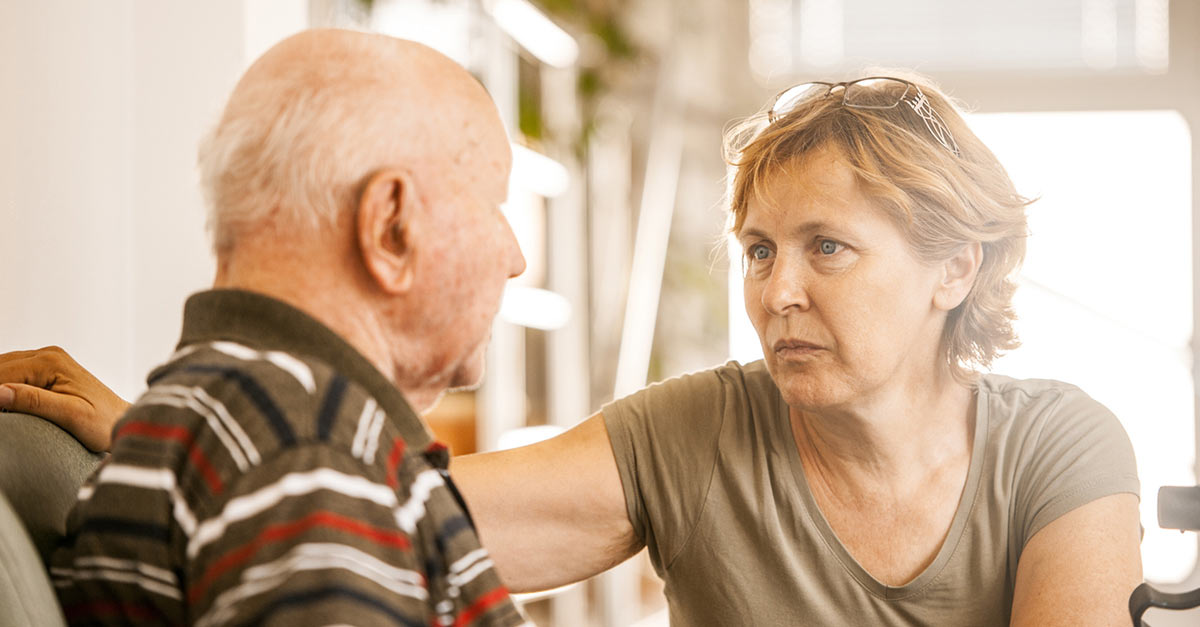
(1081, 568)
(47, 382)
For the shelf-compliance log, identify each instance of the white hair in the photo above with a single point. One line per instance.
(293, 148)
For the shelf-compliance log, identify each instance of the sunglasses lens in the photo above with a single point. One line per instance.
(796, 95)
(876, 93)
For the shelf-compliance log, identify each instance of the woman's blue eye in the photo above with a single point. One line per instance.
(828, 246)
(758, 252)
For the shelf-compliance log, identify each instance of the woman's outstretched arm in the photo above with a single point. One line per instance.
(550, 513)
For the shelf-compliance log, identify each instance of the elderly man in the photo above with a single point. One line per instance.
(276, 470)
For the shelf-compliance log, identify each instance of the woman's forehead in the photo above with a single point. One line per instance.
(817, 181)
(813, 171)
(823, 199)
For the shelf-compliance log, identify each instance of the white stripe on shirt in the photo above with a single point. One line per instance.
(373, 437)
(360, 433)
(467, 577)
(136, 476)
(65, 577)
(217, 417)
(314, 556)
(289, 364)
(289, 485)
(465, 561)
(464, 570)
(150, 479)
(100, 561)
(305, 556)
(235, 428)
(409, 514)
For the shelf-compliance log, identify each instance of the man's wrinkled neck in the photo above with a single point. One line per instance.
(322, 291)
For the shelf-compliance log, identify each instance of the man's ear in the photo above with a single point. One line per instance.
(386, 209)
(958, 276)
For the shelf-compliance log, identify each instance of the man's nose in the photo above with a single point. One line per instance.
(518, 265)
(516, 259)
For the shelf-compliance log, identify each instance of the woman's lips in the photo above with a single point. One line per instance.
(792, 348)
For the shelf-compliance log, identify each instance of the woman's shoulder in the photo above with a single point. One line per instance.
(999, 383)
(1055, 446)
(1042, 427)
(1028, 402)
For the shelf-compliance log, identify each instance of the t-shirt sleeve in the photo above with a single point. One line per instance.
(1077, 452)
(665, 441)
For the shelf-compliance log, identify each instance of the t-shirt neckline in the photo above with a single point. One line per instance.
(958, 525)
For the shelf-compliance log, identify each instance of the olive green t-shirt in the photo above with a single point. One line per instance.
(715, 489)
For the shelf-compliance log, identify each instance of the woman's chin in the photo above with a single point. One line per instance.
(809, 388)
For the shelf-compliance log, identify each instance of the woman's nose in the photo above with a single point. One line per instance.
(786, 288)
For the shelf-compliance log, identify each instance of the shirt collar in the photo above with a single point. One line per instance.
(265, 323)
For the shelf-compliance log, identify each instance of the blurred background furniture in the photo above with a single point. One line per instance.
(1178, 508)
(41, 469)
(26, 597)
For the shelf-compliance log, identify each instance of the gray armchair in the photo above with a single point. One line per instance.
(41, 469)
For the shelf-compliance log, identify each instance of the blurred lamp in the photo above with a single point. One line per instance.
(524, 436)
(535, 32)
(534, 307)
(538, 173)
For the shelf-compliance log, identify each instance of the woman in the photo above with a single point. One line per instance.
(863, 473)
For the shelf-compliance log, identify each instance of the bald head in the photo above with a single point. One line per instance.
(318, 113)
(359, 178)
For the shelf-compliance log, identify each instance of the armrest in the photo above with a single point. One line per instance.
(41, 469)
(26, 597)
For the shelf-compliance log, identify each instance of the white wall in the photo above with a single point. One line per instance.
(101, 221)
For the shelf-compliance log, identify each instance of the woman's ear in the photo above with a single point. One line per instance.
(386, 209)
(958, 276)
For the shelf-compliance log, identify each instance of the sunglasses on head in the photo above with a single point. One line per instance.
(873, 92)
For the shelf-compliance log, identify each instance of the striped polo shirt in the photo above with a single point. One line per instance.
(271, 475)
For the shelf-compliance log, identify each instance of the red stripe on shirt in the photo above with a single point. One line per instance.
(284, 531)
(394, 462)
(482, 604)
(184, 437)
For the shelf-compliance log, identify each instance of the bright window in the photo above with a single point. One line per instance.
(807, 36)
(1106, 292)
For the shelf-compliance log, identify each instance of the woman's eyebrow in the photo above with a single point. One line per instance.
(749, 232)
(804, 228)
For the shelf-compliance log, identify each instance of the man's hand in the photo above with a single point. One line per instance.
(47, 382)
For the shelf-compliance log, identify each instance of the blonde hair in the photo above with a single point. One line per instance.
(939, 197)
